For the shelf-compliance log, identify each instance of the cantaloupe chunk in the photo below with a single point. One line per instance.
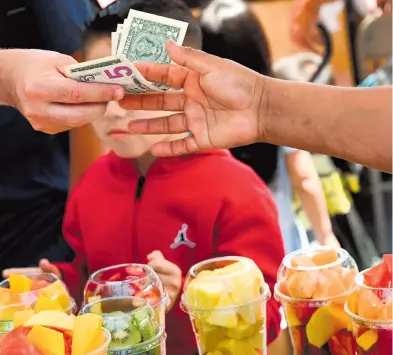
(348, 277)
(386, 311)
(302, 284)
(367, 339)
(325, 257)
(87, 330)
(369, 305)
(302, 260)
(353, 302)
(329, 285)
(53, 319)
(45, 304)
(21, 317)
(283, 288)
(19, 283)
(47, 341)
(57, 291)
(298, 261)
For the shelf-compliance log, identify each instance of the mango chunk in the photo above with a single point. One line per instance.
(324, 323)
(367, 339)
(21, 317)
(87, 330)
(52, 319)
(47, 341)
(19, 283)
(45, 304)
(57, 291)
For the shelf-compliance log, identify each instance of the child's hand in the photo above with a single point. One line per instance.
(45, 266)
(169, 273)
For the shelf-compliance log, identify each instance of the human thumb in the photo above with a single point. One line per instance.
(48, 267)
(193, 59)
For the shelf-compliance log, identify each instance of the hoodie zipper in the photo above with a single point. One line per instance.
(137, 202)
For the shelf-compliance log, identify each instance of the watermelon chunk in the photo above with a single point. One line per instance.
(16, 343)
(380, 276)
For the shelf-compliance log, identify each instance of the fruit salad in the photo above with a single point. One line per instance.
(370, 308)
(226, 300)
(132, 323)
(55, 333)
(38, 292)
(136, 280)
(312, 287)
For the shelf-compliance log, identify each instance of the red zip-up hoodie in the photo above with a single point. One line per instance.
(116, 216)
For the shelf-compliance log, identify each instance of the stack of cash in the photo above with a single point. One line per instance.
(141, 38)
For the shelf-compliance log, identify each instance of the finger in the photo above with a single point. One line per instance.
(169, 74)
(46, 266)
(175, 123)
(156, 254)
(167, 101)
(22, 271)
(193, 59)
(69, 91)
(160, 267)
(178, 147)
(74, 115)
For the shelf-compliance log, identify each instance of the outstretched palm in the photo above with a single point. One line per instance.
(218, 105)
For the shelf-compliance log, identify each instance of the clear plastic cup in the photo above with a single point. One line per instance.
(103, 350)
(226, 301)
(370, 309)
(116, 281)
(132, 323)
(44, 284)
(313, 286)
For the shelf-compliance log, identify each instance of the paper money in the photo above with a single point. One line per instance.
(141, 38)
(111, 70)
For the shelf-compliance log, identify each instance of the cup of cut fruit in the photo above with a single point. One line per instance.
(370, 308)
(132, 323)
(137, 280)
(226, 300)
(56, 333)
(32, 292)
(313, 286)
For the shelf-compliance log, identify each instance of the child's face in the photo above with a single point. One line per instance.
(112, 127)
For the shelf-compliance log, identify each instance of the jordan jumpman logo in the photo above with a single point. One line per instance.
(181, 238)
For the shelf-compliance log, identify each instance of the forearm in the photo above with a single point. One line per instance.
(351, 123)
(313, 202)
(6, 82)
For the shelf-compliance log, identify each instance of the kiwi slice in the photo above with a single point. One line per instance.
(146, 324)
(123, 330)
(127, 336)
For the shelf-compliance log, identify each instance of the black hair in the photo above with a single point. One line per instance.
(107, 20)
(241, 38)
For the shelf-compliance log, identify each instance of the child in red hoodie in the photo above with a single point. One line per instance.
(170, 213)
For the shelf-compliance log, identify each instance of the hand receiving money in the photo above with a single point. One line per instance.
(141, 38)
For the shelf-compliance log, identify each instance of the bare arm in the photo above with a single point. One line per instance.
(306, 183)
(351, 123)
